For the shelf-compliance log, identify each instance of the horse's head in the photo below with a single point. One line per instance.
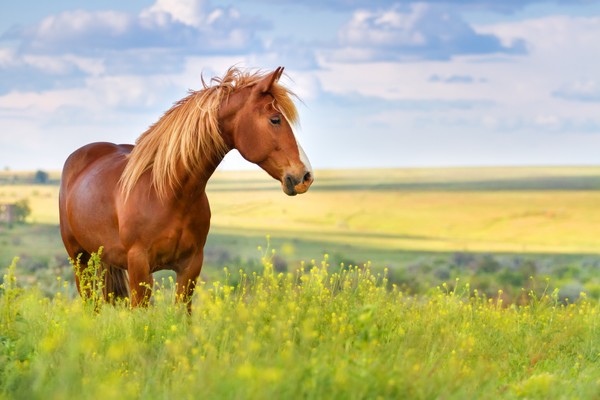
(262, 133)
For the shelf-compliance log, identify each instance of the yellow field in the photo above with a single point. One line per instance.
(555, 222)
(423, 209)
(541, 210)
(43, 200)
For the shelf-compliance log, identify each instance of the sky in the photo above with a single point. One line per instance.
(382, 83)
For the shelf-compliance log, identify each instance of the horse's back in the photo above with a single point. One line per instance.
(86, 156)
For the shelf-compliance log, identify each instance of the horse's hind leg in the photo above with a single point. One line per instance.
(116, 283)
(85, 278)
(115, 279)
(79, 257)
(80, 261)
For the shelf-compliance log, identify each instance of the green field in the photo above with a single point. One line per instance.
(317, 333)
(434, 283)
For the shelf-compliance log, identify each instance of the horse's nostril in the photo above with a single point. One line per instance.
(307, 177)
(289, 183)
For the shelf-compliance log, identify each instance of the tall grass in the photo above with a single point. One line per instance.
(320, 332)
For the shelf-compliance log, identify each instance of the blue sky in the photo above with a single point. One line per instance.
(382, 83)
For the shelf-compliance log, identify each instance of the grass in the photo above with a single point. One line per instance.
(288, 329)
(319, 332)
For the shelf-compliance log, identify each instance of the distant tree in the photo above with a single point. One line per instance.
(41, 176)
(22, 210)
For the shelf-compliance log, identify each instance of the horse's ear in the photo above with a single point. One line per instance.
(264, 85)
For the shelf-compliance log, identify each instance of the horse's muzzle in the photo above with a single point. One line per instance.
(293, 185)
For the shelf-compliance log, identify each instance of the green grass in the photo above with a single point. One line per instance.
(316, 330)
(316, 333)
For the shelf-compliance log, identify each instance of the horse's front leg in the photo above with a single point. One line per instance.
(140, 278)
(187, 278)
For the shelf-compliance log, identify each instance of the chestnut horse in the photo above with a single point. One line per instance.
(146, 204)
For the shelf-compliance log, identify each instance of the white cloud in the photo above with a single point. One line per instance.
(100, 96)
(389, 28)
(580, 90)
(196, 13)
(34, 103)
(63, 64)
(81, 22)
(552, 89)
(504, 6)
(7, 57)
(413, 32)
(66, 49)
(78, 30)
(188, 12)
(287, 52)
(193, 25)
(304, 84)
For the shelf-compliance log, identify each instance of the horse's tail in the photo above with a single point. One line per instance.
(116, 283)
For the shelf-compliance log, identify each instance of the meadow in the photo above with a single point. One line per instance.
(320, 332)
(409, 283)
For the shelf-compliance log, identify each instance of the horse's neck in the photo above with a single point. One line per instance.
(194, 183)
(228, 112)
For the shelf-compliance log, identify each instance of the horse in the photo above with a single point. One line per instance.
(146, 204)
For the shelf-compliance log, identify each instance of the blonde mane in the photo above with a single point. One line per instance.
(188, 134)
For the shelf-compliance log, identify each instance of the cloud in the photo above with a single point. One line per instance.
(587, 90)
(287, 52)
(193, 25)
(63, 50)
(459, 79)
(501, 94)
(39, 72)
(194, 13)
(191, 13)
(503, 6)
(74, 31)
(414, 32)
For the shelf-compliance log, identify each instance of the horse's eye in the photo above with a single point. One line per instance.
(276, 120)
